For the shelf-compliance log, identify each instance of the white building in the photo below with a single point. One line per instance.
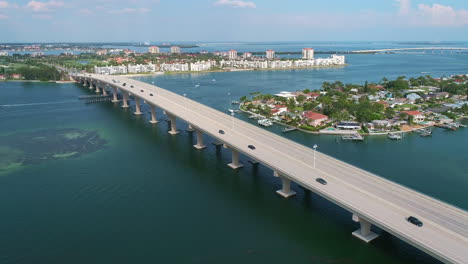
(139, 68)
(153, 49)
(338, 59)
(174, 67)
(3, 53)
(233, 54)
(270, 54)
(175, 49)
(202, 65)
(246, 55)
(111, 70)
(308, 53)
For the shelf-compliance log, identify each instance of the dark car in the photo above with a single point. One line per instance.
(124, 84)
(142, 91)
(221, 132)
(151, 94)
(251, 146)
(321, 181)
(415, 221)
(131, 86)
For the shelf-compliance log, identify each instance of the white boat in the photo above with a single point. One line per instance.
(196, 85)
(214, 80)
(265, 122)
(394, 136)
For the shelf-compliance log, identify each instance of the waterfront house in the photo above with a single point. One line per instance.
(280, 108)
(16, 76)
(2, 77)
(442, 95)
(417, 116)
(348, 125)
(314, 119)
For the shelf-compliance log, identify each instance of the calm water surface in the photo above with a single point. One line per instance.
(147, 197)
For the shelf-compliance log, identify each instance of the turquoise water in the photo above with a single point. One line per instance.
(145, 196)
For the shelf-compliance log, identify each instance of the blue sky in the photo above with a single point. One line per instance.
(233, 20)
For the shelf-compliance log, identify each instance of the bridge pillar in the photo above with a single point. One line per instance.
(190, 128)
(199, 144)
(286, 189)
(125, 100)
(153, 115)
(104, 92)
(84, 82)
(364, 232)
(173, 130)
(235, 164)
(137, 106)
(114, 93)
(97, 88)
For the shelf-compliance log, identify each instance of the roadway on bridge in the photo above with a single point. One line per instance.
(382, 202)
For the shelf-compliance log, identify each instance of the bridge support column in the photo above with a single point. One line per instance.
(199, 144)
(173, 130)
(97, 88)
(190, 128)
(153, 115)
(84, 83)
(286, 189)
(114, 93)
(104, 92)
(364, 233)
(125, 100)
(235, 164)
(137, 106)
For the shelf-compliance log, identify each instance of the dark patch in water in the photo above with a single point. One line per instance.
(34, 147)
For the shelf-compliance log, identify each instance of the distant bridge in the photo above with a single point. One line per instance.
(371, 199)
(403, 49)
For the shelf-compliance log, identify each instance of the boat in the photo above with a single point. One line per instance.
(265, 122)
(394, 136)
(214, 80)
(196, 85)
(231, 110)
(287, 129)
(235, 102)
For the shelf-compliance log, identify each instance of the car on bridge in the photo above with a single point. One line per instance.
(321, 181)
(415, 221)
(252, 147)
(221, 132)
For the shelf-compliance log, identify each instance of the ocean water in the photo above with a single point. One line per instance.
(140, 195)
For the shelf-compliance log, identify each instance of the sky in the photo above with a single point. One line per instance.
(232, 20)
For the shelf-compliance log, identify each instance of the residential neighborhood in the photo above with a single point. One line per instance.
(400, 105)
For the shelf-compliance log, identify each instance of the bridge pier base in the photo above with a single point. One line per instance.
(125, 100)
(173, 130)
(364, 233)
(137, 106)
(90, 85)
(235, 164)
(286, 189)
(199, 144)
(153, 115)
(114, 93)
(84, 83)
(190, 128)
(97, 88)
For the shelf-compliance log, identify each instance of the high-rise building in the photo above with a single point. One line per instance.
(233, 54)
(153, 49)
(308, 53)
(175, 49)
(270, 54)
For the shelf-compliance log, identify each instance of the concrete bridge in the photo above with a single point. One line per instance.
(408, 49)
(371, 199)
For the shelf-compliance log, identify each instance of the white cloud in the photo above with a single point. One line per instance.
(37, 6)
(3, 17)
(404, 7)
(85, 12)
(235, 4)
(4, 4)
(441, 16)
(129, 10)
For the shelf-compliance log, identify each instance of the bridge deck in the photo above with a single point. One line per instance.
(382, 202)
